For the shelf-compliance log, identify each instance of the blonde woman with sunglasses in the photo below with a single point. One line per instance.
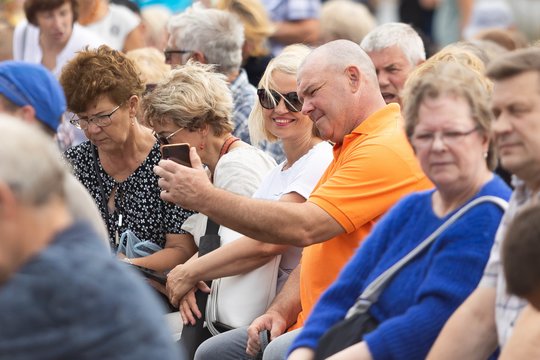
(276, 116)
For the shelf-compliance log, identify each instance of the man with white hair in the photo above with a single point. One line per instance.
(395, 49)
(212, 36)
(61, 295)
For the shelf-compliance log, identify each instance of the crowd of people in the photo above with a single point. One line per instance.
(330, 175)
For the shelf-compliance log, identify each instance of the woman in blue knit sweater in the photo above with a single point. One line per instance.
(448, 123)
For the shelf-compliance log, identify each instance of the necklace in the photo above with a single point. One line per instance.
(227, 145)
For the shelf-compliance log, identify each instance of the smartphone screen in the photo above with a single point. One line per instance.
(178, 153)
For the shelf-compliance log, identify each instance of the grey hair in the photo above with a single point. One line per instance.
(287, 62)
(218, 34)
(33, 171)
(400, 34)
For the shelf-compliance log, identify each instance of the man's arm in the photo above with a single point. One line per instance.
(268, 221)
(470, 333)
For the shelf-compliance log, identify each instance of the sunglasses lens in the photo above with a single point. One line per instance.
(265, 99)
(293, 102)
(161, 140)
(270, 100)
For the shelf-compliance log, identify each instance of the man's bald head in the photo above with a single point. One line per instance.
(338, 85)
(339, 54)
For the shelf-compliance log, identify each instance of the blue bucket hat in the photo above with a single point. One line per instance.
(32, 84)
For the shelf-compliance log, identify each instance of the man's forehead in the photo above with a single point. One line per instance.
(310, 71)
(527, 82)
(391, 54)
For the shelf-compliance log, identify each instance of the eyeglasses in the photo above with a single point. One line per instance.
(164, 140)
(269, 99)
(98, 120)
(448, 137)
(168, 53)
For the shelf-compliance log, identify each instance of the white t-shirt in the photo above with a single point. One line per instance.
(240, 171)
(26, 45)
(114, 27)
(301, 178)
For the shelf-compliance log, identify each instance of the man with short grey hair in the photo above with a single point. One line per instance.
(212, 36)
(395, 49)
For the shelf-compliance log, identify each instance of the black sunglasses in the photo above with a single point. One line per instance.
(269, 99)
(168, 53)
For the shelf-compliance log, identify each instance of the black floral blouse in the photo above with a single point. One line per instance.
(138, 205)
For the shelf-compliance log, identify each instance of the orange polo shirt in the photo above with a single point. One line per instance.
(372, 169)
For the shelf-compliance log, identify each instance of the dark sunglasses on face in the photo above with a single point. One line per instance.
(269, 99)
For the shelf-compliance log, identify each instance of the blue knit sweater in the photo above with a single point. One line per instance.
(419, 299)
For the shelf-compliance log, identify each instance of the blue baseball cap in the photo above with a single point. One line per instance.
(32, 84)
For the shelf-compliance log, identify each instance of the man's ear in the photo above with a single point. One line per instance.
(8, 201)
(27, 113)
(199, 57)
(354, 77)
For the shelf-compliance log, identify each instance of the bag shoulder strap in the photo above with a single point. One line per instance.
(371, 293)
(212, 228)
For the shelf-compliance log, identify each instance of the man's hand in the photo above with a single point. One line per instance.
(270, 321)
(183, 185)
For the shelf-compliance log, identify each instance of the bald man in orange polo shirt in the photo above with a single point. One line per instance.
(373, 167)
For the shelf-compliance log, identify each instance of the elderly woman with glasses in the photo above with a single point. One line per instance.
(276, 116)
(448, 120)
(103, 90)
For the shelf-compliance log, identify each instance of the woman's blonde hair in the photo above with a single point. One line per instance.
(287, 62)
(192, 96)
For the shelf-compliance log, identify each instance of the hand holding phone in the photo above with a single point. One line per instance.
(178, 153)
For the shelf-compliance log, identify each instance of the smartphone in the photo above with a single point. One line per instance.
(178, 153)
(151, 274)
